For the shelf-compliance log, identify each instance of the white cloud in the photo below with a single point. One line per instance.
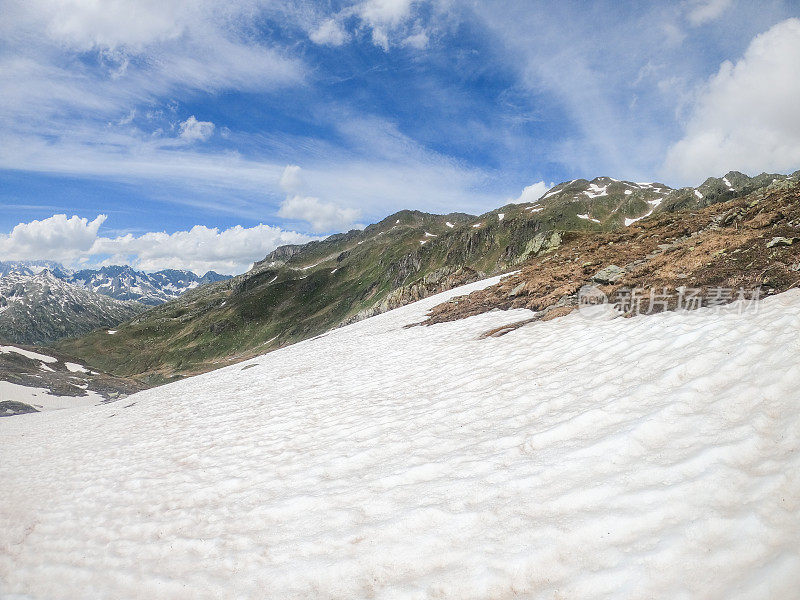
(385, 12)
(193, 130)
(322, 216)
(199, 249)
(103, 59)
(329, 33)
(380, 38)
(417, 40)
(704, 11)
(392, 20)
(55, 238)
(533, 192)
(747, 116)
(75, 241)
(291, 179)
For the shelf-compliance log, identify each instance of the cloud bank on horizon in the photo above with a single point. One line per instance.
(74, 241)
(233, 126)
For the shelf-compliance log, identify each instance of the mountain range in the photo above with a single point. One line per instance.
(301, 291)
(42, 301)
(42, 308)
(119, 282)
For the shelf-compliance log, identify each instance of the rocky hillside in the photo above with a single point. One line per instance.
(41, 308)
(301, 291)
(743, 248)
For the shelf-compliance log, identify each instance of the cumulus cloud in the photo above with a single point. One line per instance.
(321, 216)
(75, 240)
(291, 179)
(199, 249)
(192, 130)
(533, 192)
(54, 238)
(747, 116)
(329, 33)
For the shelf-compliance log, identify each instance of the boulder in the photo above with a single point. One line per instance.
(609, 274)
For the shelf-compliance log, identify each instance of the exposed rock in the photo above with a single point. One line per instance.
(517, 290)
(610, 274)
(9, 408)
(541, 243)
(780, 241)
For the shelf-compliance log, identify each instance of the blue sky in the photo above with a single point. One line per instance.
(172, 133)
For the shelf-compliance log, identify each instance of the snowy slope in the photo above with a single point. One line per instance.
(653, 457)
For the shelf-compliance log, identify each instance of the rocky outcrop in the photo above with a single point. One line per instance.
(432, 283)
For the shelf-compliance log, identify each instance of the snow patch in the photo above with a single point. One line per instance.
(586, 217)
(596, 191)
(28, 354)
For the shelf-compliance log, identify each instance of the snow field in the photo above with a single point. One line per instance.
(652, 457)
(42, 399)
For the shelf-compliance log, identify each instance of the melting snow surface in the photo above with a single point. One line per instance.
(41, 399)
(28, 354)
(652, 457)
(111, 331)
(478, 224)
(628, 192)
(449, 224)
(75, 368)
(698, 194)
(501, 216)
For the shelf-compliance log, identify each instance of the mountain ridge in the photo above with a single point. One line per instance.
(121, 282)
(298, 292)
(42, 308)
